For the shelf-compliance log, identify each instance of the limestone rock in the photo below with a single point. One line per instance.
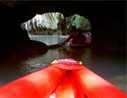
(46, 23)
(54, 23)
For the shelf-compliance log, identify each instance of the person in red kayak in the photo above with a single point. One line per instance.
(78, 36)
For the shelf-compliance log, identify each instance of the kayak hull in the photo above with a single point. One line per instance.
(33, 85)
(64, 78)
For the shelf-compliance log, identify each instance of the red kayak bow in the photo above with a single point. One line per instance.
(65, 78)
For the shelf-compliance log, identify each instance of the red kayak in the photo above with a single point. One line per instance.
(64, 78)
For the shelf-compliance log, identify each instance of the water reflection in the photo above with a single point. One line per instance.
(49, 39)
(36, 63)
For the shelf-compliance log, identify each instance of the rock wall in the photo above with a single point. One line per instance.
(45, 24)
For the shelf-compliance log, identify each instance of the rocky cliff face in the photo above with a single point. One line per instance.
(55, 23)
(46, 23)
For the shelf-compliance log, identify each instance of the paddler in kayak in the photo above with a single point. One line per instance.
(80, 31)
(77, 36)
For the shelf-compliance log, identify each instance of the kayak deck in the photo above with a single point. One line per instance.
(65, 78)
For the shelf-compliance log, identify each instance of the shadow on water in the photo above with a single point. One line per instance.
(110, 66)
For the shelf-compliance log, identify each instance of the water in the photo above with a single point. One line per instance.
(111, 66)
(49, 39)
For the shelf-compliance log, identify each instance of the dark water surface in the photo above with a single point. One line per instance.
(111, 66)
